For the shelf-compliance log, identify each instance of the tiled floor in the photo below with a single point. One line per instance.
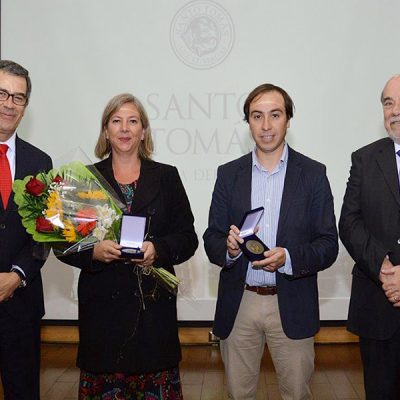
(338, 374)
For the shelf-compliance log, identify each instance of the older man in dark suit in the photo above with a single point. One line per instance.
(369, 227)
(21, 293)
(275, 299)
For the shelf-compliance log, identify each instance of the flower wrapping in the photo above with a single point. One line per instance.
(70, 209)
(68, 205)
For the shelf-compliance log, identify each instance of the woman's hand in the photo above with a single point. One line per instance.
(106, 251)
(149, 255)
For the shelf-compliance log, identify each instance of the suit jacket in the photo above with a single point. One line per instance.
(16, 245)
(112, 319)
(306, 228)
(369, 228)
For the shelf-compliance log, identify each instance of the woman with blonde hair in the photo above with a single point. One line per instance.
(129, 346)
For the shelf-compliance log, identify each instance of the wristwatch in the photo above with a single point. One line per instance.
(21, 275)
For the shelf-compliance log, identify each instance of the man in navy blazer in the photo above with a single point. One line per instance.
(21, 293)
(273, 300)
(369, 227)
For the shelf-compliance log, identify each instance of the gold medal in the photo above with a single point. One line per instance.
(254, 247)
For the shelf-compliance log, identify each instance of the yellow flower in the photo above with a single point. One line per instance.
(69, 231)
(54, 206)
(92, 194)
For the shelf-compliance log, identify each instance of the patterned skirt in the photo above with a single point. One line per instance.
(163, 385)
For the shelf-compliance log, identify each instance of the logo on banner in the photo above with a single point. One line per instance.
(202, 34)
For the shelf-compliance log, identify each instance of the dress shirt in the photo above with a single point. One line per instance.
(266, 191)
(11, 154)
(396, 149)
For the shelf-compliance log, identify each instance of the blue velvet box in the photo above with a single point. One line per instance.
(252, 247)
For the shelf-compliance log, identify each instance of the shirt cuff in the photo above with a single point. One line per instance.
(229, 260)
(287, 267)
(19, 269)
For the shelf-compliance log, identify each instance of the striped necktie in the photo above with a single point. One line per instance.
(5, 175)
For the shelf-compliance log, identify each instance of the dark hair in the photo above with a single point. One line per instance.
(12, 68)
(264, 88)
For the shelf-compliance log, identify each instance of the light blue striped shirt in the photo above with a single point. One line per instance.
(266, 191)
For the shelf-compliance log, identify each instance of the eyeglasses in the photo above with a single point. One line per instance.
(17, 98)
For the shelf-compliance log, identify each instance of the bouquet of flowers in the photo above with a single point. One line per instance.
(70, 209)
(68, 205)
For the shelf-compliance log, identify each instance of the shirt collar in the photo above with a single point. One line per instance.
(11, 143)
(396, 147)
(283, 160)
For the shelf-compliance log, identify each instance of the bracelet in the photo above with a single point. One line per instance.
(21, 275)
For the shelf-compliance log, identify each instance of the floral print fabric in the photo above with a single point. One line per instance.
(163, 385)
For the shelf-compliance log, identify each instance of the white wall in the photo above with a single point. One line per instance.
(192, 64)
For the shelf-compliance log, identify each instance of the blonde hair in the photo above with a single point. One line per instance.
(103, 147)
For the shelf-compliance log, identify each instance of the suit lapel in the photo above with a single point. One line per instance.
(22, 165)
(241, 192)
(105, 169)
(292, 179)
(22, 169)
(148, 186)
(386, 159)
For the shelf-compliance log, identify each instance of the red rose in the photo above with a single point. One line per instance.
(58, 179)
(35, 187)
(43, 225)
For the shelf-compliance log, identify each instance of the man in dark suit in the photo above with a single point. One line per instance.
(369, 228)
(273, 300)
(21, 293)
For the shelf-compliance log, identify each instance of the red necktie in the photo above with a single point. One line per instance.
(5, 175)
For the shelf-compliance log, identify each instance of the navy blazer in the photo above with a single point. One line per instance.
(306, 228)
(369, 228)
(16, 245)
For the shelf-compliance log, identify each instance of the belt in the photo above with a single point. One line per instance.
(262, 290)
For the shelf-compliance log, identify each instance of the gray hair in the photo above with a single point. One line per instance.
(382, 93)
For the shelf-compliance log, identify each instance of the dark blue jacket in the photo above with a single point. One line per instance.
(306, 228)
